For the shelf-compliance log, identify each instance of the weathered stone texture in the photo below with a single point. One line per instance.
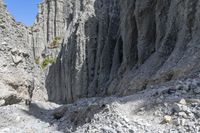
(119, 47)
(16, 57)
(109, 47)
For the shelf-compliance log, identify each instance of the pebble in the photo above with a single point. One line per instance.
(181, 122)
(2, 102)
(18, 118)
(167, 119)
(4, 43)
(191, 115)
(177, 107)
(183, 102)
(182, 114)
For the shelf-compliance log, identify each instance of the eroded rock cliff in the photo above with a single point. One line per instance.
(89, 48)
(119, 47)
(49, 25)
(16, 59)
(167, 42)
(85, 61)
(101, 47)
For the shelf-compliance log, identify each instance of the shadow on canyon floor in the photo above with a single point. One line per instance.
(76, 115)
(65, 117)
(83, 111)
(65, 85)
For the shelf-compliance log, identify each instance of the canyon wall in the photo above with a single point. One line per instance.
(84, 63)
(16, 59)
(120, 47)
(104, 47)
(167, 42)
(49, 24)
(20, 77)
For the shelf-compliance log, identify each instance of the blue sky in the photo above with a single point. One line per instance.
(24, 11)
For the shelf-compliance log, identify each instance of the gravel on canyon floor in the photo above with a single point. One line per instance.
(172, 107)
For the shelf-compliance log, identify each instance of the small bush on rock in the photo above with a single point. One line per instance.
(55, 43)
(47, 61)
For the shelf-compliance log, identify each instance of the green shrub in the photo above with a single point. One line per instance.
(56, 41)
(47, 61)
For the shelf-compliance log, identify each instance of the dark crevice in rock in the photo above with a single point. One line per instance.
(55, 19)
(48, 17)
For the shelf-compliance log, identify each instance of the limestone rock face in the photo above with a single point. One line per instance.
(16, 57)
(120, 47)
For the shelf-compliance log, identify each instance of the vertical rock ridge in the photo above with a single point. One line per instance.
(49, 25)
(116, 46)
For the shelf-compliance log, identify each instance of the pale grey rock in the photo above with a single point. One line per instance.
(2, 102)
(16, 58)
(182, 114)
(181, 122)
(177, 107)
(183, 101)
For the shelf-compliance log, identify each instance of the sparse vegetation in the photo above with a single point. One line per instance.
(48, 60)
(55, 43)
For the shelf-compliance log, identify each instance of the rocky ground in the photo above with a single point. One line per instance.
(170, 107)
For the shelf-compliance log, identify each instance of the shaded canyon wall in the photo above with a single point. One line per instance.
(117, 46)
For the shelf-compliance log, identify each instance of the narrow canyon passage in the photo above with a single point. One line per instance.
(101, 66)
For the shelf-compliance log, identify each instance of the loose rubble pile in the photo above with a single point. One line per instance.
(184, 114)
(170, 107)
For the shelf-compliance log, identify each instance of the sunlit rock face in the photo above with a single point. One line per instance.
(16, 58)
(49, 24)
